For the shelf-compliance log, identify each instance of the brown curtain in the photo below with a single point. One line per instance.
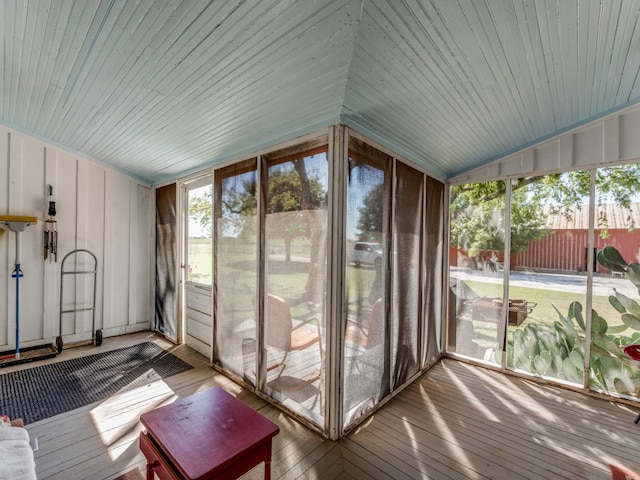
(434, 270)
(166, 320)
(407, 291)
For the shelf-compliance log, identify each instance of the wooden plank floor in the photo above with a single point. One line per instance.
(456, 422)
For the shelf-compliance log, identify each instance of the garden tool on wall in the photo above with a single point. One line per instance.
(17, 224)
(51, 230)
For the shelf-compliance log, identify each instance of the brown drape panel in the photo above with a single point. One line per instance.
(166, 257)
(407, 290)
(434, 270)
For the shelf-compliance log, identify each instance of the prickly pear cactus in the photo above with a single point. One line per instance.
(609, 257)
(558, 350)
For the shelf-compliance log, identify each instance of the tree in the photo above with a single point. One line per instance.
(200, 210)
(371, 211)
(477, 210)
(239, 205)
(293, 189)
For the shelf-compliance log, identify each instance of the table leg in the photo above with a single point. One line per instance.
(150, 474)
(267, 470)
(267, 462)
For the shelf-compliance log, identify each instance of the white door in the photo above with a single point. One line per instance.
(198, 266)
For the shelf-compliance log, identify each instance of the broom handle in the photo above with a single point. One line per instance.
(17, 273)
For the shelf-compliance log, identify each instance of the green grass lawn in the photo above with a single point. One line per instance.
(200, 260)
(290, 280)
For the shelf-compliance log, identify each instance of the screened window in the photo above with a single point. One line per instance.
(388, 338)
(476, 270)
(295, 192)
(407, 254)
(548, 275)
(236, 269)
(572, 312)
(615, 319)
(367, 337)
(275, 327)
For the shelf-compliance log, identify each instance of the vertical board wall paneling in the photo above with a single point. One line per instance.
(141, 291)
(90, 226)
(26, 180)
(588, 146)
(97, 209)
(51, 279)
(609, 139)
(60, 175)
(117, 252)
(629, 140)
(4, 237)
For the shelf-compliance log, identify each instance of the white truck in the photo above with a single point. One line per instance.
(367, 253)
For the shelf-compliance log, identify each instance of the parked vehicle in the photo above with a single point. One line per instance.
(367, 253)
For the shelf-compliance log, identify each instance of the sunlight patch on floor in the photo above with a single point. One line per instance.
(478, 404)
(443, 429)
(117, 419)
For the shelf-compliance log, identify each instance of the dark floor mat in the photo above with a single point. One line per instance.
(46, 390)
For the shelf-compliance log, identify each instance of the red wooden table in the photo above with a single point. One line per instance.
(206, 435)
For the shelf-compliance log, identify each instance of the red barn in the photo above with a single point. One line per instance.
(565, 248)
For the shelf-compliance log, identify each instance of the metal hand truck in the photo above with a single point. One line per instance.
(96, 336)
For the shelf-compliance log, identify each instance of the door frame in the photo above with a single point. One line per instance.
(186, 185)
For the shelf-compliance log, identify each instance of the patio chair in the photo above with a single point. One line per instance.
(370, 334)
(283, 335)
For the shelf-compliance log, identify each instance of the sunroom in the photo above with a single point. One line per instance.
(326, 198)
(374, 316)
(298, 313)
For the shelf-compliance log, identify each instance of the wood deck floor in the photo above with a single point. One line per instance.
(457, 421)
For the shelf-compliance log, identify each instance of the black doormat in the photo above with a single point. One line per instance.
(46, 390)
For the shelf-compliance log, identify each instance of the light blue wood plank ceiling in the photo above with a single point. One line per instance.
(160, 88)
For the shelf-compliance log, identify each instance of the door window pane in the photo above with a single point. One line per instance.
(199, 245)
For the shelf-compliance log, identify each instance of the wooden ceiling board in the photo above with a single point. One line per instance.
(496, 75)
(158, 88)
(224, 111)
(413, 67)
